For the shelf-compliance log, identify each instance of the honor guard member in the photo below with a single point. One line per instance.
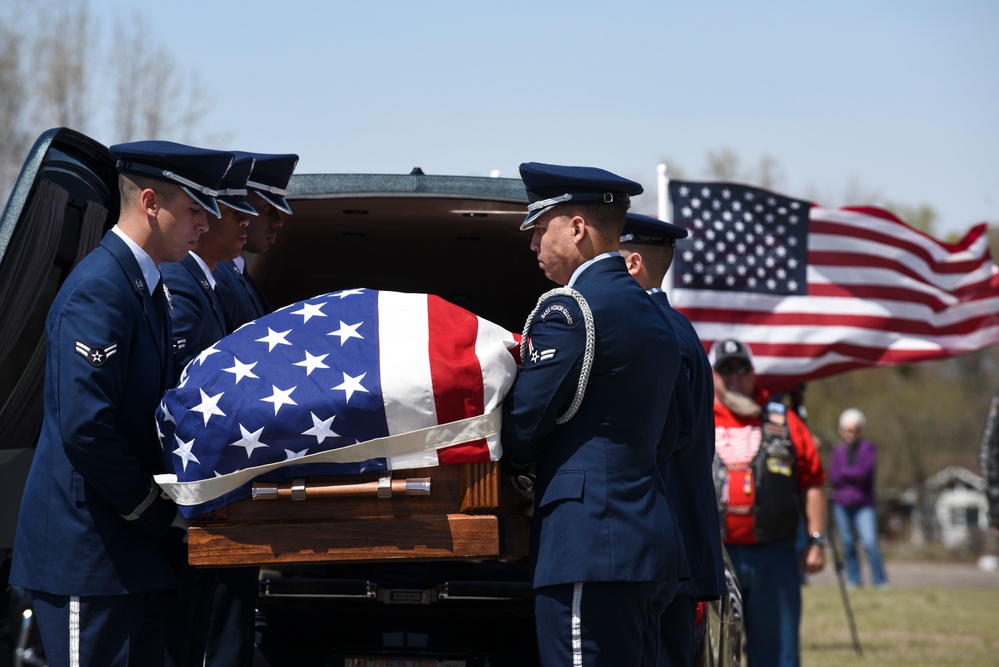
(198, 631)
(198, 319)
(599, 362)
(93, 526)
(768, 470)
(242, 299)
(647, 245)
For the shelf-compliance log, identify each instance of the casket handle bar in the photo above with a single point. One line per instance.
(299, 489)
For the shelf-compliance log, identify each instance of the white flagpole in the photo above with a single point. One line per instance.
(663, 180)
(663, 193)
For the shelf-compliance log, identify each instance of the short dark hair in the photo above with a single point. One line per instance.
(607, 219)
(130, 185)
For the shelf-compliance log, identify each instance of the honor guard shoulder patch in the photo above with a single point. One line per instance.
(96, 356)
(557, 308)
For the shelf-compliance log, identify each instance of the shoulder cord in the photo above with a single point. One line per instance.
(584, 374)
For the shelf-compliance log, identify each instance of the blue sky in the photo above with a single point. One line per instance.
(892, 97)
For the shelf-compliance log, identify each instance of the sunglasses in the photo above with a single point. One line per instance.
(736, 368)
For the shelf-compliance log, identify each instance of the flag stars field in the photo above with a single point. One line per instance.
(241, 370)
(249, 441)
(311, 362)
(346, 331)
(321, 428)
(310, 310)
(280, 397)
(274, 338)
(209, 406)
(184, 452)
(351, 384)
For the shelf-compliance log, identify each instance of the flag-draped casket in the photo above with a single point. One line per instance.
(339, 400)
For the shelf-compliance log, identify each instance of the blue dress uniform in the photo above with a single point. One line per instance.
(93, 527)
(242, 299)
(602, 543)
(198, 320)
(688, 472)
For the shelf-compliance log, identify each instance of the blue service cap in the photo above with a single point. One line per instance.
(646, 230)
(270, 175)
(198, 171)
(549, 185)
(233, 190)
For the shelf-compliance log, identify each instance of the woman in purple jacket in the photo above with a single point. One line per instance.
(851, 473)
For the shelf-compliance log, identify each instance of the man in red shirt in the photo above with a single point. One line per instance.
(768, 471)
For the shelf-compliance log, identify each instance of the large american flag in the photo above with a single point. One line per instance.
(816, 291)
(348, 382)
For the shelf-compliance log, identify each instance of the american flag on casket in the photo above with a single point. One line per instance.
(348, 382)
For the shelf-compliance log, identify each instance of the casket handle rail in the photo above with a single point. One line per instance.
(300, 489)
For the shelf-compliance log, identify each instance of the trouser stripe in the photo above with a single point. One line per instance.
(577, 633)
(74, 631)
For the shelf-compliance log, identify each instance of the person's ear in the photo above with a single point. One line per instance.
(150, 201)
(633, 260)
(579, 228)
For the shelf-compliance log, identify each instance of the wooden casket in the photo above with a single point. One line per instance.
(455, 511)
(356, 425)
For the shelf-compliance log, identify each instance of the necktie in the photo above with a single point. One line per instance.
(166, 332)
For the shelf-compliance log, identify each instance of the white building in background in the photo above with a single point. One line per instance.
(956, 497)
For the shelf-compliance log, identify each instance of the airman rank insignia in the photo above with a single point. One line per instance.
(539, 356)
(179, 343)
(97, 356)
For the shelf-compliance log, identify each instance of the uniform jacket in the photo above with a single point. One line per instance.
(852, 477)
(198, 320)
(601, 511)
(737, 439)
(688, 473)
(92, 522)
(242, 300)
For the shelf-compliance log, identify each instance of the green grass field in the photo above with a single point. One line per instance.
(901, 626)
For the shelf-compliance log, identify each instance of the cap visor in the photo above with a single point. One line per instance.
(278, 201)
(238, 204)
(528, 223)
(205, 200)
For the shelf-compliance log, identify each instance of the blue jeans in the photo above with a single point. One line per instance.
(852, 522)
(770, 581)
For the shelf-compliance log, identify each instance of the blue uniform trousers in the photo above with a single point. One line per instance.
(594, 624)
(101, 630)
(676, 630)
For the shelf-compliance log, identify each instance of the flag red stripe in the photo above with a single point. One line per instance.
(967, 294)
(453, 362)
(949, 265)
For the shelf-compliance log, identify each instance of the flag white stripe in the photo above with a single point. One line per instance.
(865, 221)
(831, 335)
(834, 305)
(497, 378)
(404, 358)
